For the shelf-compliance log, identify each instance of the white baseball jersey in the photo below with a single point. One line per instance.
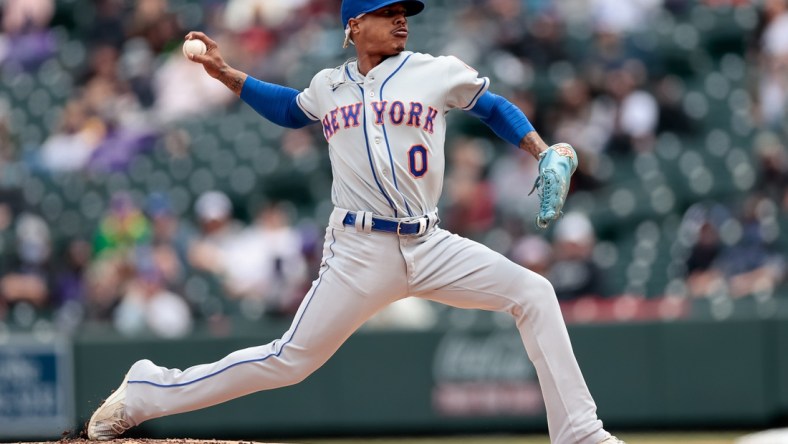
(386, 130)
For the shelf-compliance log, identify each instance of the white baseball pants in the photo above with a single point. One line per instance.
(359, 275)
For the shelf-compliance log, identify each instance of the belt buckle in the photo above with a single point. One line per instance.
(423, 225)
(399, 227)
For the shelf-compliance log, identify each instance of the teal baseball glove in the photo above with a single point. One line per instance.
(556, 166)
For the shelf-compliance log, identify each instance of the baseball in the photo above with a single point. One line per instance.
(194, 46)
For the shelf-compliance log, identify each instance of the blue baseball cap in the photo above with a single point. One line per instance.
(354, 8)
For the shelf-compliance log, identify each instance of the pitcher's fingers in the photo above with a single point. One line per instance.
(202, 59)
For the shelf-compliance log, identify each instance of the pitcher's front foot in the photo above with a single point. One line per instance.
(109, 421)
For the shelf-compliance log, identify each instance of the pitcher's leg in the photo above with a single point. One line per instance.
(332, 310)
(465, 274)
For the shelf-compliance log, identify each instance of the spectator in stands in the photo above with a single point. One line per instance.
(70, 146)
(69, 284)
(669, 92)
(21, 15)
(635, 109)
(586, 123)
(109, 96)
(121, 229)
(26, 41)
(265, 262)
(6, 217)
(105, 280)
(703, 276)
(534, 253)
(773, 65)
(180, 90)
(6, 255)
(257, 22)
(300, 146)
(544, 44)
(752, 264)
(623, 18)
(511, 175)
(217, 231)
(108, 27)
(405, 314)
(11, 204)
(513, 171)
(469, 209)
(138, 64)
(509, 16)
(153, 21)
(7, 142)
(772, 164)
(732, 255)
(170, 239)
(242, 15)
(147, 306)
(574, 274)
(607, 51)
(578, 117)
(102, 127)
(28, 276)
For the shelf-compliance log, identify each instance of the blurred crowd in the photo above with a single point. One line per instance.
(586, 72)
(146, 270)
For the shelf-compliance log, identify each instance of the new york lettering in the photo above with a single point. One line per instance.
(396, 113)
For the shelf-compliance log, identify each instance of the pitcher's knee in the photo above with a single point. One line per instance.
(145, 369)
(535, 295)
(298, 365)
(294, 376)
(544, 288)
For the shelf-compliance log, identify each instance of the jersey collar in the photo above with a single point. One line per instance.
(379, 71)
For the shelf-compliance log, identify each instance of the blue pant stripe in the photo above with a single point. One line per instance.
(278, 353)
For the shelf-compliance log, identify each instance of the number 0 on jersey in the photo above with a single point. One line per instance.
(417, 160)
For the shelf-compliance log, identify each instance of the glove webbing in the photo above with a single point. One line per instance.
(549, 191)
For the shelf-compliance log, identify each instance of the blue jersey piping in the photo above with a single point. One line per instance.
(386, 137)
(484, 84)
(300, 105)
(369, 151)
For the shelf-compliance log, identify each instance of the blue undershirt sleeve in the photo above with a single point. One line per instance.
(276, 103)
(505, 119)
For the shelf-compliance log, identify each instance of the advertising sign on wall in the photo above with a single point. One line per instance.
(485, 374)
(36, 388)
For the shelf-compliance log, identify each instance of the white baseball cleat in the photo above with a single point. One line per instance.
(109, 420)
(612, 440)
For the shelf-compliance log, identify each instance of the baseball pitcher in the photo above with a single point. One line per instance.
(383, 115)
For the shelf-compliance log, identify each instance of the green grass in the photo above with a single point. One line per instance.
(630, 438)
